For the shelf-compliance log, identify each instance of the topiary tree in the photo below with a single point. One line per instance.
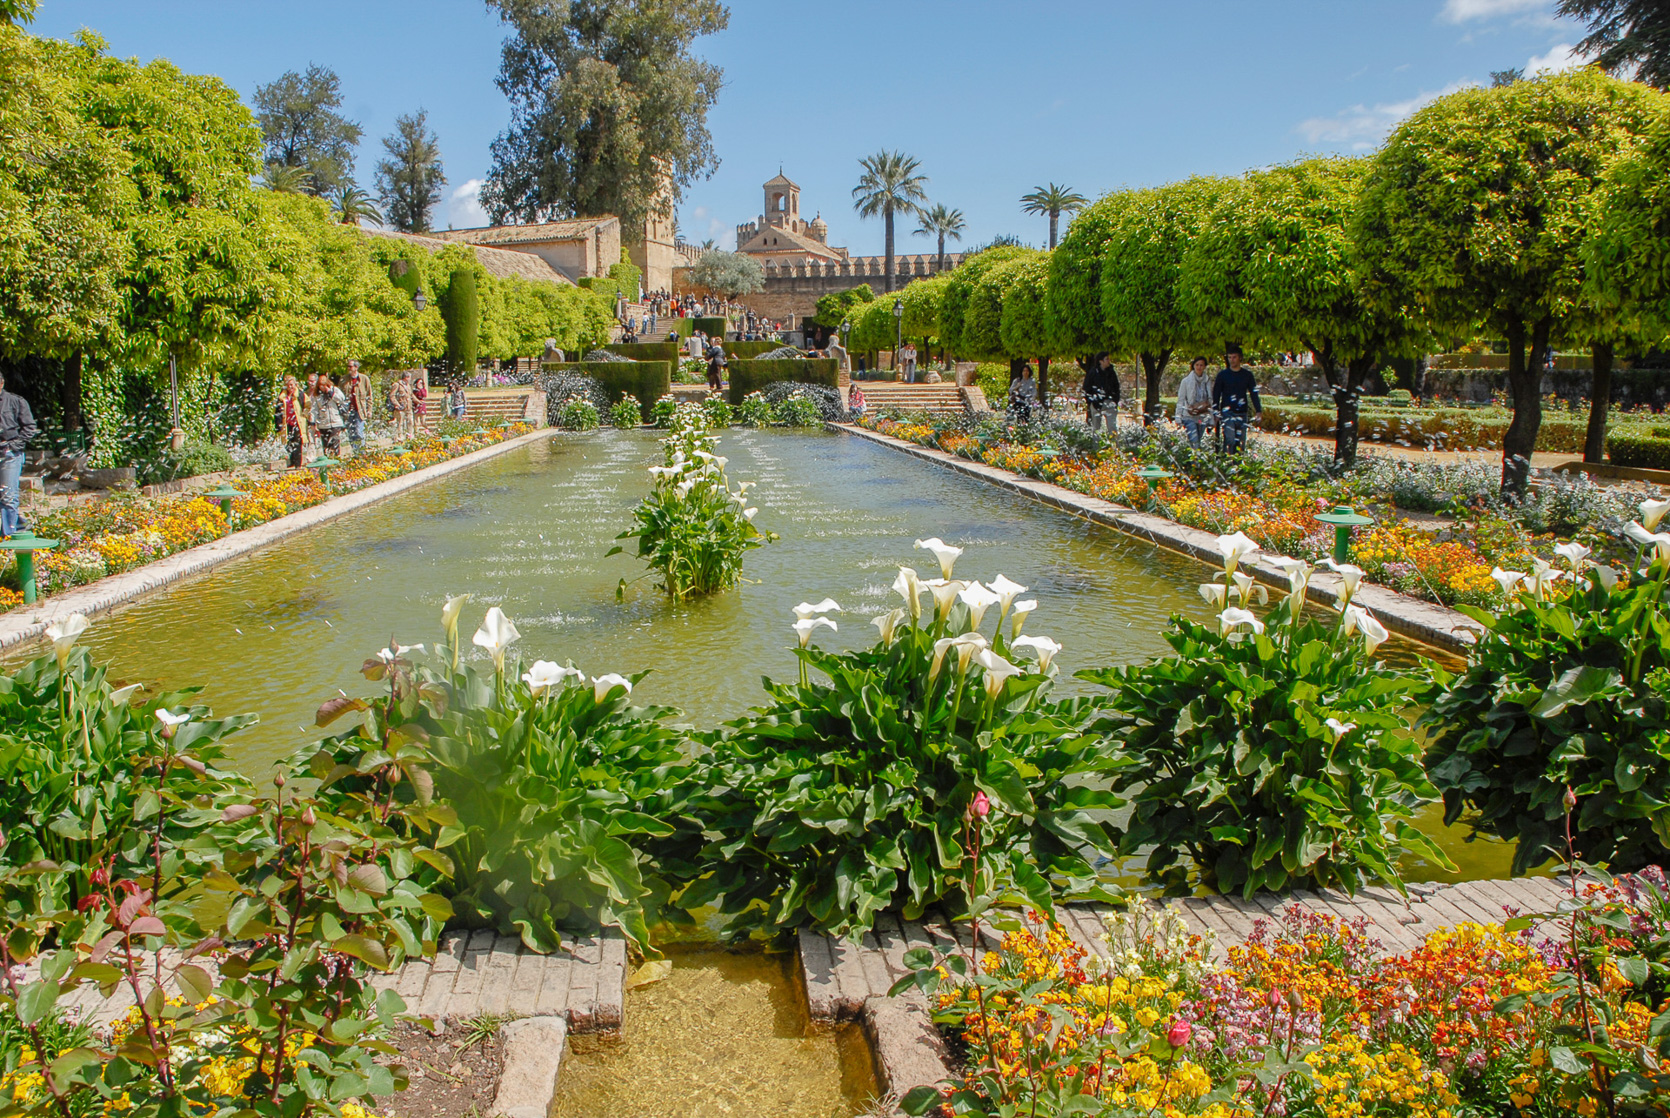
(1273, 265)
(1147, 239)
(1476, 212)
(463, 321)
(1626, 264)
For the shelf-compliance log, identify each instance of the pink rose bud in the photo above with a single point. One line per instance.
(1273, 999)
(1178, 1034)
(982, 805)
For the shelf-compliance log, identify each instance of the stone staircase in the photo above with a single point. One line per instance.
(492, 406)
(885, 395)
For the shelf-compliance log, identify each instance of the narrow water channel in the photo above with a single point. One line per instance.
(723, 1035)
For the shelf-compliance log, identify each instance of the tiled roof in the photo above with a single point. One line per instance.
(573, 229)
(500, 262)
(781, 180)
(788, 241)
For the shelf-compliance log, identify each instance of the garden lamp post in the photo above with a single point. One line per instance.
(323, 465)
(25, 544)
(1153, 475)
(176, 434)
(1343, 518)
(420, 300)
(225, 494)
(898, 330)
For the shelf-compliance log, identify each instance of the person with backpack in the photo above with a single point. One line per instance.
(1235, 401)
(1101, 394)
(329, 404)
(400, 403)
(716, 365)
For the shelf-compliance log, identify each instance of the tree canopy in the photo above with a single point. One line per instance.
(1625, 34)
(301, 127)
(409, 180)
(608, 108)
(728, 273)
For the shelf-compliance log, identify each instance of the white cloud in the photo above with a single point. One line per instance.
(1561, 57)
(1465, 11)
(1362, 127)
(464, 210)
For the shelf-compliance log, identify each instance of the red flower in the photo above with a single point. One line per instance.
(1178, 1034)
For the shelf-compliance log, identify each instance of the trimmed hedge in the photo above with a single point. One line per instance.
(752, 376)
(747, 350)
(1440, 428)
(647, 380)
(645, 351)
(1651, 451)
(712, 327)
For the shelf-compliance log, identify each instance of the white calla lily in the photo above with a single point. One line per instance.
(1017, 616)
(171, 723)
(545, 676)
(1248, 588)
(1339, 729)
(944, 552)
(63, 634)
(811, 609)
(496, 635)
(1605, 576)
(1358, 619)
(1507, 580)
(1043, 646)
(1652, 512)
(1006, 591)
(395, 651)
(978, 599)
(806, 626)
(1350, 576)
(945, 591)
(941, 647)
(1298, 572)
(1236, 548)
(998, 671)
(887, 622)
(602, 685)
(449, 616)
(909, 587)
(1233, 618)
(124, 695)
(1573, 553)
(1216, 594)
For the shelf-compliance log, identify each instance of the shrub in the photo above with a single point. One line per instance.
(756, 411)
(646, 351)
(1400, 397)
(693, 529)
(1564, 691)
(838, 800)
(662, 414)
(798, 411)
(579, 414)
(1274, 754)
(191, 460)
(1439, 429)
(626, 413)
(1626, 448)
(617, 377)
(462, 313)
(712, 327)
(718, 412)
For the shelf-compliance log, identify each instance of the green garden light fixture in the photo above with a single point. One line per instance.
(1153, 475)
(323, 465)
(225, 494)
(25, 544)
(1343, 518)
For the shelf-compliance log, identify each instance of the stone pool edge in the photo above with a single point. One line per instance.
(1426, 622)
(23, 624)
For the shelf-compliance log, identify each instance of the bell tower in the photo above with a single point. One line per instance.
(782, 203)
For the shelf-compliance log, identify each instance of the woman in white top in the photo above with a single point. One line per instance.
(1194, 401)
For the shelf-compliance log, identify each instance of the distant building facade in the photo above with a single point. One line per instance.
(780, 236)
(575, 248)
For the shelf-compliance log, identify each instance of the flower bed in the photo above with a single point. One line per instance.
(1273, 507)
(121, 533)
(1304, 1020)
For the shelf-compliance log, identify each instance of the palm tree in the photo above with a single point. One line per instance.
(942, 222)
(1055, 201)
(282, 179)
(890, 184)
(352, 204)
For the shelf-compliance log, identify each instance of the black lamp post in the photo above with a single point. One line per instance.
(420, 300)
(898, 331)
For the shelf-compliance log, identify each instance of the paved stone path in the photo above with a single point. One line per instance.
(475, 973)
(840, 976)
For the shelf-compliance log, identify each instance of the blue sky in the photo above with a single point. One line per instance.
(993, 97)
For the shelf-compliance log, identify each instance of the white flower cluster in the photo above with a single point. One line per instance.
(1237, 621)
(691, 462)
(1149, 939)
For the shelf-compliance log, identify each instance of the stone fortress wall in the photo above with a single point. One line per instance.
(793, 289)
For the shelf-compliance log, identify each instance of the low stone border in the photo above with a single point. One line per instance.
(1409, 617)
(533, 1051)
(26, 623)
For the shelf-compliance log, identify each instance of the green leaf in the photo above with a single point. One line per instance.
(1575, 687)
(35, 1002)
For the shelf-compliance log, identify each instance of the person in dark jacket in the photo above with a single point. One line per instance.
(1235, 401)
(1101, 393)
(17, 428)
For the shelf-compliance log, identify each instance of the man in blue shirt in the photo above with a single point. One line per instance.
(1235, 400)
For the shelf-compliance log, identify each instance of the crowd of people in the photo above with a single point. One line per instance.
(319, 413)
(658, 306)
(1226, 401)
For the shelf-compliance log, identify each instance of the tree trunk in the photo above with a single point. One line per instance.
(1600, 399)
(1524, 380)
(887, 215)
(69, 393)
(1055, 218)
(940, 263)
(1346, 429)
(1044, 383)
(1153, 368)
